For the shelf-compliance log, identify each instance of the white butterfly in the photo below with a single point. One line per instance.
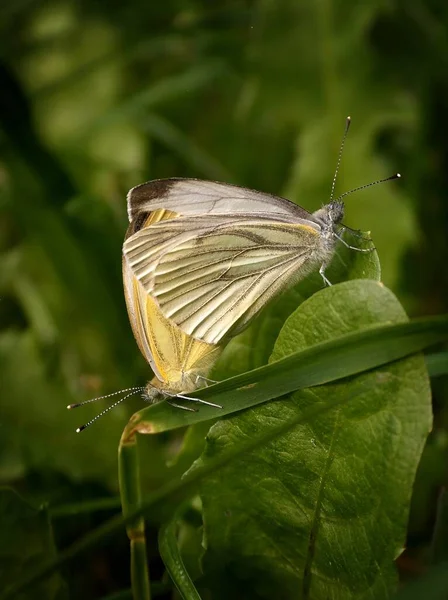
(201, 259)
(223, 252)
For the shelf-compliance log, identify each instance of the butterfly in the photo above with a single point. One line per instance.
(223, 253)
(201, 259)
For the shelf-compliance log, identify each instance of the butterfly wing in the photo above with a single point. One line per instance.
(175, 357)
(189, 197)
(212, 281)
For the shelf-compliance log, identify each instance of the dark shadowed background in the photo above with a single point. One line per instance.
(96, 97)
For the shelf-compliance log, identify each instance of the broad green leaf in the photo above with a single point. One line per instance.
(26, 540)
(321, 512)
(253, 347)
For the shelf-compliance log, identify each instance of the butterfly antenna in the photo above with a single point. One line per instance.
(106, 410)
(338, 164)
(78, 404)
(367, 185)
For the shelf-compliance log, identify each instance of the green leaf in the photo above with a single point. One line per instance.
(26, 540)
(320, 512)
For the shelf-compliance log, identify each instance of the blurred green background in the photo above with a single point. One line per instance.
(96, 97)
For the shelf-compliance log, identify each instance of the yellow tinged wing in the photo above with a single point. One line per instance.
(175, 357)
(215, 274)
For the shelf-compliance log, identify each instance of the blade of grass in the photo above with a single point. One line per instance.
(79, 508)
(169, 551)
(163, 91)
(173, 138)
(437, 364)
(341, 357)
(130, 491)
(439, 546)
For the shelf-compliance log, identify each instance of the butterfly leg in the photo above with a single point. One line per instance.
(322, 274)
(357, 233)
(198, 400)
(171, 403)
(353, 247)
(206, 379)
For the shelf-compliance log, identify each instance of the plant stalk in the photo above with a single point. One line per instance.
(130, 491)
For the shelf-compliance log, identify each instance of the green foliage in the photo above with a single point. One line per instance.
(26, 540)
(97, 97)
(324, 508)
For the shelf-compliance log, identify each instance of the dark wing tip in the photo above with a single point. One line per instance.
(151, 190)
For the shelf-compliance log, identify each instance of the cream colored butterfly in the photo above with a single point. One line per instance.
(201, 259)
(223, 253)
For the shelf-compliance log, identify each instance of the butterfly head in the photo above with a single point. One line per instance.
(335, 212)
(330, 215)
(151, 392)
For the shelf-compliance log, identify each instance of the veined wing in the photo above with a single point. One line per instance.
(213, 282)
(188, 197)
(174, 356)
(144, 248)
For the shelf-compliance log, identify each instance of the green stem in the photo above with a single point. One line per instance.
(439, 546)
(169, 551)
(129, 479)
(79, 508)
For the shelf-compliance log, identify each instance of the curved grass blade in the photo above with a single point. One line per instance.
(319, 364)
(169, 551)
